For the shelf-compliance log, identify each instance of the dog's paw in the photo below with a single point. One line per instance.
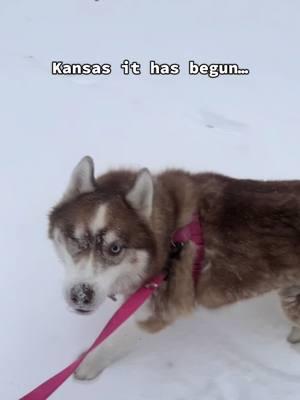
(89, 369)
(153, 324)
(294, 336)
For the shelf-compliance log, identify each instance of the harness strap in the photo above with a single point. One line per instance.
(192, 232)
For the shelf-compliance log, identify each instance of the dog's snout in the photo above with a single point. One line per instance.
(82, 294)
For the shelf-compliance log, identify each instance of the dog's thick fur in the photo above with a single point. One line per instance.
(251, 233)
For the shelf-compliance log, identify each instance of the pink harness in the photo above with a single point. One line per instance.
(191, 232)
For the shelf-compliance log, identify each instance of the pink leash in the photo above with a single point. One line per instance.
(193, 232)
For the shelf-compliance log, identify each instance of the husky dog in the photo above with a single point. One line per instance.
(113, 233)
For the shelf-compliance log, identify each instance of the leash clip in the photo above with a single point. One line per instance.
(151, 285)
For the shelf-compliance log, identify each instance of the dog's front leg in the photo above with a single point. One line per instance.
(116, 346)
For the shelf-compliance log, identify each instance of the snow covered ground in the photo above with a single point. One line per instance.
(246, 126)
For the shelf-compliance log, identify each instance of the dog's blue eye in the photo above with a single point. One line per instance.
(115, 249)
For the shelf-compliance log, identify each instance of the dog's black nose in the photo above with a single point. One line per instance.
(82, 294)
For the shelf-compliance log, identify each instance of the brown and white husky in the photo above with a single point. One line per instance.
(113, 233)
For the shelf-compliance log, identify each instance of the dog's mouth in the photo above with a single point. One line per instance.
(82, 311)
(112, 297)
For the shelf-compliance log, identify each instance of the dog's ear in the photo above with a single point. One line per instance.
(140, 196)
(82, 179)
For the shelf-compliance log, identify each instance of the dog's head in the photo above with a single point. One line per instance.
(102, 234)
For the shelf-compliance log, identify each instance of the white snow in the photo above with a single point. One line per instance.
(245, 126)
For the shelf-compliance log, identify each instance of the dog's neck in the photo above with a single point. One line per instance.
(175, 202)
